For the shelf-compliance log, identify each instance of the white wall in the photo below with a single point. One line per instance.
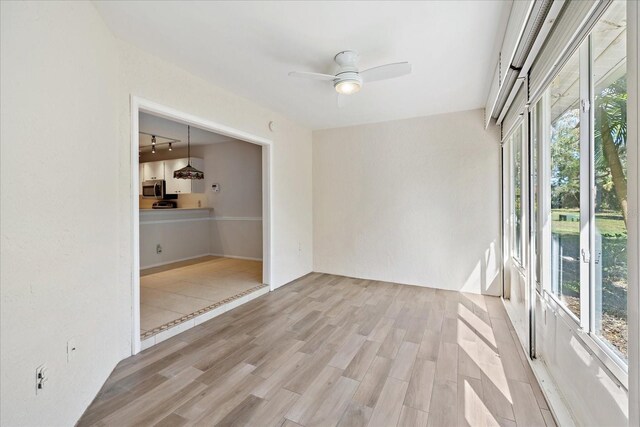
(60, 230)
(66, 262)
(411, 201)
(633, 153)
(593, 397)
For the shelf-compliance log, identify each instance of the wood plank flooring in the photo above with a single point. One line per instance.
(333, 351)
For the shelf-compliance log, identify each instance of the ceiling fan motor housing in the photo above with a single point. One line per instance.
(351, 76)
(348, 75)
(347, 60)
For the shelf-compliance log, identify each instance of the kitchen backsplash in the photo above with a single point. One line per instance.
(184, 201)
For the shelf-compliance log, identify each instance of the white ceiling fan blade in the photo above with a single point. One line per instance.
(384, 72)
(314, 76)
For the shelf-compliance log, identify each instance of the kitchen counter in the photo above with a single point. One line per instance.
(175, 209)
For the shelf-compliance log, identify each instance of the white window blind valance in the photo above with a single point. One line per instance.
(516, 109)
(576, 19)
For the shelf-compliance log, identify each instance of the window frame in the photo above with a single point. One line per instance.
(584, 326)
(519, 126)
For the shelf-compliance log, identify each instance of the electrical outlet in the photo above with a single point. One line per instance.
(215, 188)
(158, 249)
(41, 378)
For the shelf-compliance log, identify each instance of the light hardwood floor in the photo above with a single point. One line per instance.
(328, 350)
(169, 293)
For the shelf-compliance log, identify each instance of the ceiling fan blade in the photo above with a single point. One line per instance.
(314, 76)
(384, 72)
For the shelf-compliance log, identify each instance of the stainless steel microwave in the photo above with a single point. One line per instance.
(154, 189)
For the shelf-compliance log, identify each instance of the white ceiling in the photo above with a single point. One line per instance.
(249, 48)
(167, 130)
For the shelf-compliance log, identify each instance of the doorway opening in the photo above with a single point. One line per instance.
(200, 246)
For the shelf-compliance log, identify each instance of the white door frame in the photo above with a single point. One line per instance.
(143, 105)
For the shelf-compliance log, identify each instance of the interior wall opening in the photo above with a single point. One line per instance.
(202, 215)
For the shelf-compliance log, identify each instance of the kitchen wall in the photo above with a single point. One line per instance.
(410, 201)
(66, 86)
(182, 235)
(233, 228)
(236, 223)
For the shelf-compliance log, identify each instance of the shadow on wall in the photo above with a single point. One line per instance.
(485, 275)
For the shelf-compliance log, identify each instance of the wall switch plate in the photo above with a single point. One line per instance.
(72, 349)
(215, 188)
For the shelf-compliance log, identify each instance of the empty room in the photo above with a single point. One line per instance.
(320, 213)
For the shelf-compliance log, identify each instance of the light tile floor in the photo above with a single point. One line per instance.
(170, 292)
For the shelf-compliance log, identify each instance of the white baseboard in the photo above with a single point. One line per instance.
(237, 257)
(160, 264)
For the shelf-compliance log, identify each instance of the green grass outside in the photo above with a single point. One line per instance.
(608, 224)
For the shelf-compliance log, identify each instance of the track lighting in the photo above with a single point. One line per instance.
(153, 140)
(170, 149)
(153, 149)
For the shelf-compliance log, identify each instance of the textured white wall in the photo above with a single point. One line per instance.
(66, 261)
(411, 201)
(60, 232)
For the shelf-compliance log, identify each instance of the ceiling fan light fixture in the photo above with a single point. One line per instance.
(347, 86)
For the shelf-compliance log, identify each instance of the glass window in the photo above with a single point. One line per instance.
(535, 141)
(565, 185)
(609, 80)
(516, 180)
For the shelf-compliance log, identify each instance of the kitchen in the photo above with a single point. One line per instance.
(200, 218)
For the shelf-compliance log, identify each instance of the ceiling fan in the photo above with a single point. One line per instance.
(348, 79)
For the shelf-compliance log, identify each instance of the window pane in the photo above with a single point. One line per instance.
(516, 179)
(535, 242)
(610, 161)
(565, 185)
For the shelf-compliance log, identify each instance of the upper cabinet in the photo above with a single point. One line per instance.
(153, 170)
(164, 170)
(174, 185)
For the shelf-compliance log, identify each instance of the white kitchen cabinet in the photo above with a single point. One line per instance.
(183, 186)
(153, 170)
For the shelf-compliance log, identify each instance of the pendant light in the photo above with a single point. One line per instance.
(188, 172)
